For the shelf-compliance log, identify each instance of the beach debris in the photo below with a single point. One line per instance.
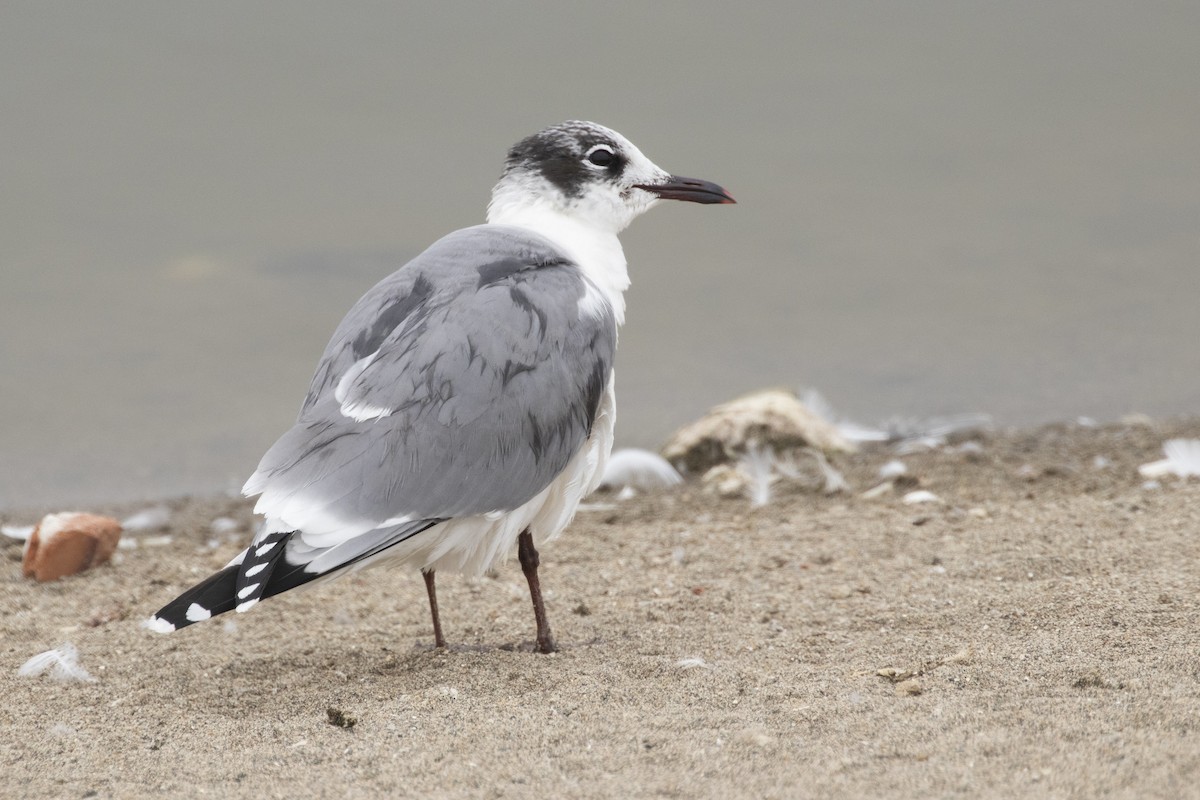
(62, 664)
(628, 493)
(339, 718)
(639, 469)
(774, 418)
(852, 431)
(759, 469)
(917, 435)
(1096, 680)
(921, 496)
(875, 492)
(113, 612)
(223, 525)
(726, 481)
(831, 480)
(905, 681)
(148, 519)
(68, 543)
(19, 532)
(970, 448)
(1182, 459)
(758, 465)
(893, 469)
(964, 656)
(907, 435)
(693, 662)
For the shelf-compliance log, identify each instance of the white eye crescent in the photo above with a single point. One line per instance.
(600, 155)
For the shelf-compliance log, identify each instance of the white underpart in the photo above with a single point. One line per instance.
(597, 252)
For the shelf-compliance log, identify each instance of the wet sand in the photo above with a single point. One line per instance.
(1034, 635)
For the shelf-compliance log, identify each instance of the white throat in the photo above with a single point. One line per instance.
(596, 250)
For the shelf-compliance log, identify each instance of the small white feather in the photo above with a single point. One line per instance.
(758, 467)
(921, 496)
(893, 469)
(834, 480)
(1183, 460)
(222, 525)
(640, 469)
(147, 519)
(693, 662)
(62, 664)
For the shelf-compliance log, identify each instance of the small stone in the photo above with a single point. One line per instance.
(340, 718)
(68, 543)
(908, 688)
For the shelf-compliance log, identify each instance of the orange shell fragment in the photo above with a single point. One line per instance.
(69, 543)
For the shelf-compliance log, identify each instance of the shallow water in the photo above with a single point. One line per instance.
(942, 208)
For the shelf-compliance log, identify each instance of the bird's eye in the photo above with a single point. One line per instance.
(601, 156)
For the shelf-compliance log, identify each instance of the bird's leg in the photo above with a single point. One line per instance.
(528, 555)
(439, 641)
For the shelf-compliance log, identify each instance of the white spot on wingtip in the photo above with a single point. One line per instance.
(264, 549)
(246, 591)
(257, 568)
(246, 606)
(158, 625)
(197, 613)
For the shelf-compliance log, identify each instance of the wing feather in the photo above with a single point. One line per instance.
(462, 384)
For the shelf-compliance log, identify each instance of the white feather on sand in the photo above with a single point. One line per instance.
(1183, 460)
(147, 519)
(640, 469)
(62, 664)
(758, 467)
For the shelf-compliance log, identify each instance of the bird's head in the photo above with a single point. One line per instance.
(589, 172)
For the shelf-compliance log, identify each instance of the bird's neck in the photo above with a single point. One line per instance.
(596, 250)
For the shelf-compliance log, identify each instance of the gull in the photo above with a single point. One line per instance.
(465, 404)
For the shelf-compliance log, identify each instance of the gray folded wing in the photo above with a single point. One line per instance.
(461, 384)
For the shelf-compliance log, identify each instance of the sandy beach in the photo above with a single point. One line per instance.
(1034, 634)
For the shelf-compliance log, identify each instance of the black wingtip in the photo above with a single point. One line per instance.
(212, 596)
